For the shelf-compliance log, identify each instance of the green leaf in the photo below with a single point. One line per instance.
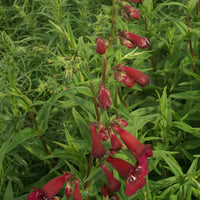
(83, 127)
(192, 95)
(43, 115)
(9, 192)
(174, 166)
(187, 186)
(187, 128)
(14, 140)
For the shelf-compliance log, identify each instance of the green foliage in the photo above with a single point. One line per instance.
(46, 49)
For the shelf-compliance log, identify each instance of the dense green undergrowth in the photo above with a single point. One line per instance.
(46, 47)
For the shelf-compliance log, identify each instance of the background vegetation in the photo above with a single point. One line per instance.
(46, 105)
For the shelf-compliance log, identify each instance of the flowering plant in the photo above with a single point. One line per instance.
(111, 131)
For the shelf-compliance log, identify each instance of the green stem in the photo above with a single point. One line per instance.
(113, 22)
(31, 113)
(94, 97)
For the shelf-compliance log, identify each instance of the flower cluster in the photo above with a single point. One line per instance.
(134, 175)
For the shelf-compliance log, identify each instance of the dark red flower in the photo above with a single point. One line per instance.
(132, 143)
(120, 165)
(136, 179)
(115, 142)
(98, 150)
(114, 184)
(101, 47)
(141, 42)
(77, 193)
(49, 190)
(104, 97)
(138, 77)
(130, 11)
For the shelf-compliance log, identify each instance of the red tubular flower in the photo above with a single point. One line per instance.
(49, 190)
(77, 193)
(130, 11)
(133, 183)
(132, 143)
(141, 42)
(120, 165)
(104, 97)
(98, 150)
(115, 142)
(136, 179)
(139, 77)
(114, 184)
(101, 47)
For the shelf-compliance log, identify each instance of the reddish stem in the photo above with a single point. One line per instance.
(104, 69)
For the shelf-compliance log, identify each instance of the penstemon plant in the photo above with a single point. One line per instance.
(99, 99)
(109, 138)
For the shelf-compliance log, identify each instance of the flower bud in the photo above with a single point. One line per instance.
(68, 190)
(131, 12)
(141, 42)
(137, 76)
(77, 193)
(100, 45)
(115, 142)
(105, 190)
(121, 122)
(104, 97)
